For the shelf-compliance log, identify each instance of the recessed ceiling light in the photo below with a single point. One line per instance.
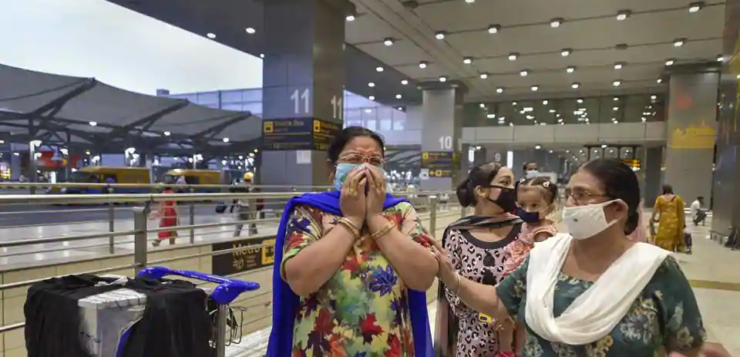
(616, 99)
(371, 84)
(499, 90)
(565, 52)
(439, 35)
(545, 102)
(442, 79)
(659, 80)
(494, 29)
(469, 1)
(350, 18)
(482, 105)
(618, 65)
(623, 15)
(575, 85)
(250, 30)
(653, 97)
(535, 88)
(556, 22)
(643, 119)
(398, 96)
(92, 123)
(720, 58)
(513, 56)
(167, 133)
(617, 83)
(696, 6)
(211, 35)
(388, 42)
(226, 140)
(467, 60)
(579, 100)
(262, 55)
(615, 109)
(570, 69)
(483, 75)
(524, 73)
(538, 147)
(669, 62)
(379, 69)
(368, 110)
(404, 82)
(422, 64)
(679, 42)
(372, 97)
(400, 108)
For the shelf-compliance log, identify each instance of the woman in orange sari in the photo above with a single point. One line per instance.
(671, 221)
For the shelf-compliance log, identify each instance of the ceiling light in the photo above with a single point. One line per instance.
(535, 88)
(696, 6)
(659, 80)
(524, 73)
(379, 69)
(494, 28)
(388, 42)
(615, 108)
(570, 69)
(92, 123)
(623, 15)
(720, 58)
(482, 105)
(579, 100)
(575, 85)
(617, 83)
(616, 121)
(483, 75)
(262, 55)
(398, 96)
(555, 23)
(669, 62)
(372, 97)
(226, 140)
(211, 35)
(440, 35)
(422, 64)
(469, 1)
(467, 60)
(653, 97)
(538, 147)
(368, 110)
(545, 102)
(400, 108)
(371, 84)
(618, 65)
(499, 90)
(513, 56)
(442, 79)
(167, 133)
(679, 42)
(350, 18)
(616, 99)
(514, 103)
(404, 82)
(250, 30)
(565, 52)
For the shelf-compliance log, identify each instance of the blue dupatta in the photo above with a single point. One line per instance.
(285, 302)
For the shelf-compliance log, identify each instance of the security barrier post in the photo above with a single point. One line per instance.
(192, 218)
(140, 237)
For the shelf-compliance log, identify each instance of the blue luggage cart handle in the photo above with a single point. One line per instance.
(226, 292)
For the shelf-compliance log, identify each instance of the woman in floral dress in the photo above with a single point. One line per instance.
(593, 292)
(355, 265)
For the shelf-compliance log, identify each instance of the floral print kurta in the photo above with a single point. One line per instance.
(363, 310)
(665, 317)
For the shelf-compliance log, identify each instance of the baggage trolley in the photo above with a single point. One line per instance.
(106, 315)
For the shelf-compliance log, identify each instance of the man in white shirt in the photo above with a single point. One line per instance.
(697, 214)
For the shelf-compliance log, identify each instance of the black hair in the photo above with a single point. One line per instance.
(619, 182)
(667, 189)
(480, 175)
(524, 167)
(543, 181)
(346, 135)
(700, 198)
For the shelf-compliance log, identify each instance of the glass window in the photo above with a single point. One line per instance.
(254, 107)
(399, 119)
(231, 96)
(252, 95)
(208, 98)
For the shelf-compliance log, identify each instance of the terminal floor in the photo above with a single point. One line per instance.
(714, 272)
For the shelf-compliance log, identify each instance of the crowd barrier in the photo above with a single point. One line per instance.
(123, 245)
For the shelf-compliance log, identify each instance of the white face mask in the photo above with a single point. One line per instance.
(584, 222)
(533, 174)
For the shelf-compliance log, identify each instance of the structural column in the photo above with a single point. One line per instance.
(303, 89)
(652, 168)
(442, 112)
(691, 132)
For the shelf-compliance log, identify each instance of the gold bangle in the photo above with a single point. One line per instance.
(457, 285)
(383, 231)
(350, 226)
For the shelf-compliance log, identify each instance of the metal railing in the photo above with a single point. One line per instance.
(427, 204)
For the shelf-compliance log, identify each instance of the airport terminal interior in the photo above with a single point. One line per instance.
(141, 133)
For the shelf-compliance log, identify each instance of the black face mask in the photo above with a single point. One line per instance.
(506, 199)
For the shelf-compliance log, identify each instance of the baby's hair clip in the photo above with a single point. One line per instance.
(522, 180)
(546, 184)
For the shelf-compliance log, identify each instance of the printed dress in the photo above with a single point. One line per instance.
(519, 249)
(363, 310)
(482, 262)
(665, 317)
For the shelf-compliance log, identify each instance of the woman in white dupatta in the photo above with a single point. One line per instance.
(592, 291)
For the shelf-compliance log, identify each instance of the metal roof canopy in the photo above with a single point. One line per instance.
(89, 113)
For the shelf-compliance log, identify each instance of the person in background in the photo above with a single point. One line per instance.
(592, 291)
(530, 170)
(168, 217)
(477, 244)
(355, 263)
(536, 200)
(639, 235)
(697, 213)
(246, 209)
(668, 213)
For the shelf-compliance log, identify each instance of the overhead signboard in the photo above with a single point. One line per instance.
(439, 163)
(262, 255)
(298, 134)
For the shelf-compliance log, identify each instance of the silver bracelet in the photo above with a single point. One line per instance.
(457, 289)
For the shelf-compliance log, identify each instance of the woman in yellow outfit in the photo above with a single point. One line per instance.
(669, 207)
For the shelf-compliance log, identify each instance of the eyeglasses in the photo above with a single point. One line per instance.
(359, 159)
(581, 196)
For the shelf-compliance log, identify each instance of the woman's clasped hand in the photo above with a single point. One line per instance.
(363, 195)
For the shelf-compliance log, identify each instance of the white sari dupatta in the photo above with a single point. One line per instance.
(596, 312)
